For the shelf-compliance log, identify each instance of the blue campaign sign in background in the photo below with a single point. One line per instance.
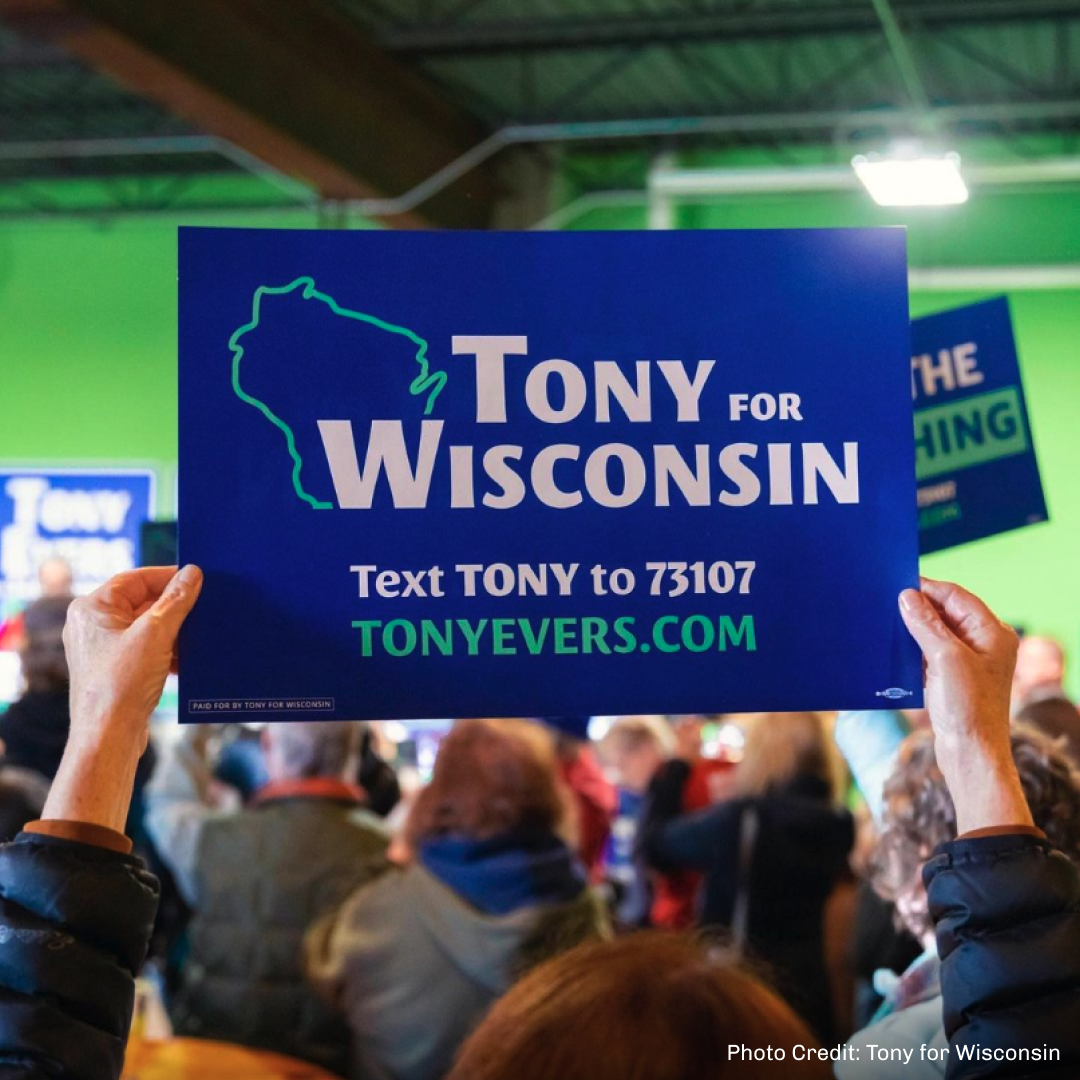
(974, 456)
(90, 517)
(505, 474)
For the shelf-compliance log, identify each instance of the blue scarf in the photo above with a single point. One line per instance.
(507, 872)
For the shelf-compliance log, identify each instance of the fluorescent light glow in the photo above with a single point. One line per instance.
(395, 731)
(912, 181)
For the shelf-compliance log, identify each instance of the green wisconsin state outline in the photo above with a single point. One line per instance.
(427, 381)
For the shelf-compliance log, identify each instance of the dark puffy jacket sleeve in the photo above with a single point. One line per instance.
(1007, 912)
(74, 925)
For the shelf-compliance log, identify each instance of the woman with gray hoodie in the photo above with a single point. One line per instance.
(416, 958)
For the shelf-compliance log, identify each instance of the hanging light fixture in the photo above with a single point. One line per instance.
(911, 178)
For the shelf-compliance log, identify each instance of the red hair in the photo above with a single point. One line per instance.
(491, 776)
(646, 1007)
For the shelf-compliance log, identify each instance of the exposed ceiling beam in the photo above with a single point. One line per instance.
(902, 55)
(679, 25)
(291, 84)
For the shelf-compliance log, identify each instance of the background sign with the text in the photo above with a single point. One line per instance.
(90, 517)
(974, 457)
(545, 474)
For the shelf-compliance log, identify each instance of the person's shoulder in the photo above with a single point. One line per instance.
(387, 899)
(343, 824)
(893, 1047)
(362, 819)
(813, 807)
(587, 911)
(904, 1028)
(731, 809)
(321, 824)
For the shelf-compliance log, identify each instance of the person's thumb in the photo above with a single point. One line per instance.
(176, 601)
(925, 624)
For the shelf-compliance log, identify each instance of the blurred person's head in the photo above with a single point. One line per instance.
(635, 747)
(568, 731)
(919, 815)
(649, 1006)
(782, 748)
(1057, 718)
(569, 737)
(688, 730)
(55, 577)
(303, 751)
(490, 777)
(44, 664)
(1040, 670)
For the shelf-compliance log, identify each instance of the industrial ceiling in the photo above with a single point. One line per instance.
(364, 101)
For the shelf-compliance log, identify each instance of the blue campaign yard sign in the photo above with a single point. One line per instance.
(454, 474)
(974, 457)
(90, 517)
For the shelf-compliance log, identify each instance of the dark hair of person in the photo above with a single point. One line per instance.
(650, 1006)
(919, 813)
(44, 664)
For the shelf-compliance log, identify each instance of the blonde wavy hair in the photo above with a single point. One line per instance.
(781, 747)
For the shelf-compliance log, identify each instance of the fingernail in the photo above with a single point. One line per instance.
(910, 599)
(189, 575)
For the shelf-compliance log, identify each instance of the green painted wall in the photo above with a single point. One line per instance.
(1031, 576)
(88, 341)
(88, 358)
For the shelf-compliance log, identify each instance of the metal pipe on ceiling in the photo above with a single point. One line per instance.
(585, 204)
(666, 182)
(995, 278)
(158, 146)
(661, 127)
(677, 23)
(902, 56)
(687, 184)
(844, 121)
(102, 213)
(141, 146)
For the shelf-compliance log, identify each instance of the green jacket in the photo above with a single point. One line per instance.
(256, 879)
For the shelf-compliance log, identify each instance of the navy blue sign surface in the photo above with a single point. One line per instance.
(90, 517)
(974, 457)
(545, 474)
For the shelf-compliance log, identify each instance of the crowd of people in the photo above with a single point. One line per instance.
(868, 895)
